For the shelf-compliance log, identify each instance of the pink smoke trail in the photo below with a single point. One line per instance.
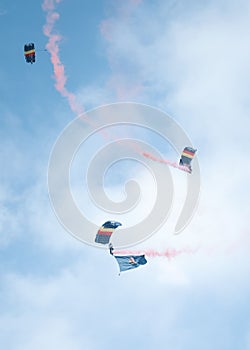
(53, 48)
(59, 72)
(165, 161)
(169, 253)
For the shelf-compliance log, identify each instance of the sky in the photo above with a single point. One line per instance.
(187, 59)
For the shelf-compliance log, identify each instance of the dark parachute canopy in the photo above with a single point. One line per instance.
(30, 53)
(105, 231)
(186, 157)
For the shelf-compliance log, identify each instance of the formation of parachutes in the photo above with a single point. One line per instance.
(105, 232)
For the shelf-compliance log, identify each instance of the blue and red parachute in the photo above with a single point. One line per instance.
(186, 157)
(105, 231)
(30, 53)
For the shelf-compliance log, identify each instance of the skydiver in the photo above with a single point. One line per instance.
(111, 248)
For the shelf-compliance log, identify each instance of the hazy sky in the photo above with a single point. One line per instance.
(189, 59)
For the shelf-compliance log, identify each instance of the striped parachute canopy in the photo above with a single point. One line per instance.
(105, 231)
(186, 157)
(30, 53)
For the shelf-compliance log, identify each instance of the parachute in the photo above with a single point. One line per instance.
(186, 157)
(30, 53)
(105, 231)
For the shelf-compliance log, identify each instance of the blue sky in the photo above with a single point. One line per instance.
(190, 60)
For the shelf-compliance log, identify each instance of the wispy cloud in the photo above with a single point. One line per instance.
(121, 81)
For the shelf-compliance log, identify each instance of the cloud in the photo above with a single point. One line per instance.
(39, 319)
(176, 293)
(193, 65)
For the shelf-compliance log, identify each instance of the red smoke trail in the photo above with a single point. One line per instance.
(169, 253)
(236, 246)
(59, 74)
(53, 48)
(175, 165)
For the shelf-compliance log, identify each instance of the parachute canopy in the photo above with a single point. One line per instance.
(129, 262)
(105, 231)
(30, 53)
(186, 157)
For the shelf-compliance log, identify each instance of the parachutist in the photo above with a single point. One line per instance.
(111, 248)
